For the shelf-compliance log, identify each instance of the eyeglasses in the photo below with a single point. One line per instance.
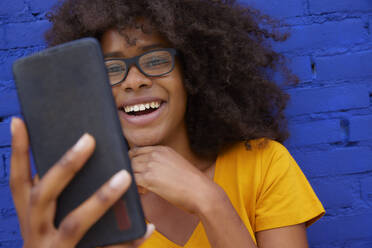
(154, 63)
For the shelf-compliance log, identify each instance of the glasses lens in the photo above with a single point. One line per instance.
(156, 63)
(116, 70)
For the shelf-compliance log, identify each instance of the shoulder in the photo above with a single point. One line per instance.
(272, 185)
(265, 149)
(262, 157)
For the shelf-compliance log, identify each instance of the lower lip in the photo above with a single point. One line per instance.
(142, 120)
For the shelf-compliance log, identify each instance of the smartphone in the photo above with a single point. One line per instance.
(64, 92)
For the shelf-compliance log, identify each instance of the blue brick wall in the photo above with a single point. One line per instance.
(330, 113)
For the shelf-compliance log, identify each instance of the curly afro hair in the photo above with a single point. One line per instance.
(225, 59)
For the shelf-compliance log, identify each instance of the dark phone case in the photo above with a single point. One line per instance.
(64, 92)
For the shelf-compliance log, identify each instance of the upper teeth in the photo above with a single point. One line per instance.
(141, 107)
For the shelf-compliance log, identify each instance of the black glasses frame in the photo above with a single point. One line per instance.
(135, 60)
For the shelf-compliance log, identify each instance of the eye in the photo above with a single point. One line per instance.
(156, 61)
(114, 69)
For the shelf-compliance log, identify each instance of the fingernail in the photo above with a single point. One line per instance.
(82, 142)
(119, 179)
(150, 230)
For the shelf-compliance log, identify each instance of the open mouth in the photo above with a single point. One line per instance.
(142, 108)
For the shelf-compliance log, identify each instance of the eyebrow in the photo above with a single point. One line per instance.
(152, 46)
(113, 54)
(120, 54)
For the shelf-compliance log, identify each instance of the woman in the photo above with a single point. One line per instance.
(203, 121)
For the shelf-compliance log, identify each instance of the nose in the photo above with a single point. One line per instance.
(135, 80)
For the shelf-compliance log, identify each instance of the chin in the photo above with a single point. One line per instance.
(140, 140)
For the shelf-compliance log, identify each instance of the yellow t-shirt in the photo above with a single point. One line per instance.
(265, 186)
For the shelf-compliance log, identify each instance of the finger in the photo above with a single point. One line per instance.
(149, 231)
(77, 223)
(141, 181)
(57, 178)
(136, 151)
(141, 190)
(133, 244)
(36, 179)
(140, 164)
(20, 173)
(142, 169)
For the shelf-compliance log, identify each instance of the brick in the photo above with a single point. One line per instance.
(322, 246)
(341, 228)
(317, 132)
(6, 200)
(7, 156)
(9, 103)
(366, 185)
(7, 59)
(8, 212)
(25, 34)
(300, 66)
(326, 193)
(38, 6)
(5, 138)
(276, 8)
(323, 36)
(6, 165)
(335, 162)
(361, 128)
(347, 66)
(6, 67)
(2, 168)
(323, 6)
(317, 100)
(9, 229)
(358, 243)
(326, 189)
(8, 8)
(12, 243)
(2, 36)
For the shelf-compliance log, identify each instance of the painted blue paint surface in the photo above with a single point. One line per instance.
(330, 113)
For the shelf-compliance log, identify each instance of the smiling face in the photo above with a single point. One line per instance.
(151, 109)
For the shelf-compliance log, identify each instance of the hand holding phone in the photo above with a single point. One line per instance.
(35, 200)
(64, 92)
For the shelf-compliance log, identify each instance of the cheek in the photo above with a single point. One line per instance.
(178, 86)
(179, 96)
(179, 109)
